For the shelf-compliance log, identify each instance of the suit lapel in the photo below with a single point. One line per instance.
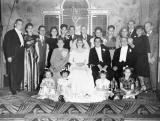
(96, 55)
(17, 37)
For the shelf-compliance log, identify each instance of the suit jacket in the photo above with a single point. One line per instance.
(12, 46)
(130, 59)
(88, 39)
(133, 34)
(75, 37)
(153, 41)
(94, 60)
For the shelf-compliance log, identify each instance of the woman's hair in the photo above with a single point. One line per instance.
(79, 39)
(111, 26)
(120, 32)
(27, 25)
(64, 25)
(53, 27)
(98, 28)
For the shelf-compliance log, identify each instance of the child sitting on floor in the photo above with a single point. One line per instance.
(103, 87)
(64, 86)
(128, 84)
(47, 87)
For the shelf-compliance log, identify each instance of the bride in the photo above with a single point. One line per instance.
(82, 84)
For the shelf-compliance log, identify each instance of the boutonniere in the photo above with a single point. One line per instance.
(130, 50)
(103, 50)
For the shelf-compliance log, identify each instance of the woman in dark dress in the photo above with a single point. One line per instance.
(52, 42)
(142, 50)
(30, 61)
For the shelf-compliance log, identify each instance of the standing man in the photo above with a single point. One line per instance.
(84, 35)
(131, 29)
(13, 46)
(153, 40)
(42, 49)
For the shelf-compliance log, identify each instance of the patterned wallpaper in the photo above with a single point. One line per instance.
(30, 10)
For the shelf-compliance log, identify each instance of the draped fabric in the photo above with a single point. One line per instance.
(30, 64)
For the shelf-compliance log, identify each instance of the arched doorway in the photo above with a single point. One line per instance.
(75, 12)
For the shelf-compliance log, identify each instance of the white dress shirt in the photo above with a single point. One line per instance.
(41, 38)
(123, 53)
(99, 53)
(20, 37)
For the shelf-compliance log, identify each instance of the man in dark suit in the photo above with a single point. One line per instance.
(84, 35)
(153, 40)
(72, 34)
(99, 58)
(42, 49)
(131, 29)
(13, 46)
(123, 56)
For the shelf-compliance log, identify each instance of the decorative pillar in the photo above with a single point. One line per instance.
(144, 11)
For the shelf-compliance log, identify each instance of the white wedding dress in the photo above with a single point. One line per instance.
(82, 83)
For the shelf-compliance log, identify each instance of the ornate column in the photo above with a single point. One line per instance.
(144, 11)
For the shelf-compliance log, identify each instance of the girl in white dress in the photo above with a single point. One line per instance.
(82, 83)
(47, 87)
(64, 85)
(102, 91)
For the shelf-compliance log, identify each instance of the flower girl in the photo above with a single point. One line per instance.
(47, 87)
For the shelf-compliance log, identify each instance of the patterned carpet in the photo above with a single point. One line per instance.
(46, 110)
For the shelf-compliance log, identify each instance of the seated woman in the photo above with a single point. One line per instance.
(102, 91)
(82, 83)
(128, 84)
(59, 59)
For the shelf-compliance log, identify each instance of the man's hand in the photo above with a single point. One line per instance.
(9, 59)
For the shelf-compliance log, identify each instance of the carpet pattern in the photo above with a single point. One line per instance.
(47, 110)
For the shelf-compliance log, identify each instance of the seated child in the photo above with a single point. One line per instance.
(47, 87)
(64, 85)
(103, 87)
(128, 84)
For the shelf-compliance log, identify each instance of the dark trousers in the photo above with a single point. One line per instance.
(15, 73)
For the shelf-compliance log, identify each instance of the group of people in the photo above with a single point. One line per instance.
(82, 68)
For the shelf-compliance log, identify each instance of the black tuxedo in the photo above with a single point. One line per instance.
(73, 38)
(94, 60)
(15, 69)
(130, 61)
(133, 34)
(88, 39)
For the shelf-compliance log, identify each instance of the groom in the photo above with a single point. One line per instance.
(99, 58)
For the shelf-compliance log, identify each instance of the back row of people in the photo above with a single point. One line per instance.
(39, 51)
